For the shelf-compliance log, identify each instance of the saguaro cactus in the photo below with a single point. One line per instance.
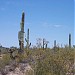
(70, 40)
(21, 34)
(43, 43)
(46, 44)
(54, 43)
(27, 39)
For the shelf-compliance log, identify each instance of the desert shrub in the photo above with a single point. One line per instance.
(5, 60)
(52, 62)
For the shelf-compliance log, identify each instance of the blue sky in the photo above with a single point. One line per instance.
(49, 19)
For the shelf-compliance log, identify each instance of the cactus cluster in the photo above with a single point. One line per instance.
(21, 38)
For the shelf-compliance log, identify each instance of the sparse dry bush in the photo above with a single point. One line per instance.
(5, 60)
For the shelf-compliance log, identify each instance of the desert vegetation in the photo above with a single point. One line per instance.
(54, 61)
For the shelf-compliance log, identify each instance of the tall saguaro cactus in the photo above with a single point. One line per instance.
(70, 40)
(27, 39)
(21, 34)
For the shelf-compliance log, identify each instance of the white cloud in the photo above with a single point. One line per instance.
(57, 26)
(45, 24)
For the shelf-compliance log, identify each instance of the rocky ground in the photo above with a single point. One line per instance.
(20, 69)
